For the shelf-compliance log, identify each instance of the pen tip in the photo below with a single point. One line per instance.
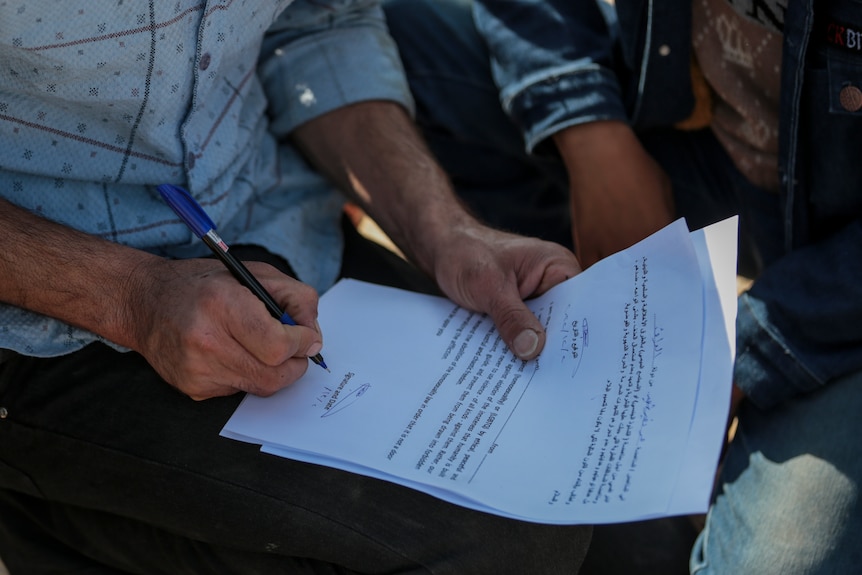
(318, 359)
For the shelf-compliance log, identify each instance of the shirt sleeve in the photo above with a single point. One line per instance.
(552, 62)
(320, 56)
(800, 325)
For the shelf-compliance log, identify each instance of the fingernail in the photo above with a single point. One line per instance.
(314, 349)
(526, 343)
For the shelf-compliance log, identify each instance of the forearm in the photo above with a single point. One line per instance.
(68, 275)
(612, 208)
(374, 153)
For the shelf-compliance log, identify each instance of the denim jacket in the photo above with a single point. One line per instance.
(559, 63)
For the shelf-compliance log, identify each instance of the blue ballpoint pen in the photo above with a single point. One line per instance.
(203, 227)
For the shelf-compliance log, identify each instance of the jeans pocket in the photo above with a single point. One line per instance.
(833, 122)
(16, 480)
(13, 371)
(698, 563)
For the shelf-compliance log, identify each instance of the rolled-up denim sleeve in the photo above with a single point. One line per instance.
(552, 61)
(800, 326)
(322, 55)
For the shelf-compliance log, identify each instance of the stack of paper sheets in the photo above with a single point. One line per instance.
(621, 418)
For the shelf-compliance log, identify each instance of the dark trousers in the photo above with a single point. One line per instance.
(104, 468)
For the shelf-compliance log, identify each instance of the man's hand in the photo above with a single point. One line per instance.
(493, 272)
(619, 194)
(373, 151)
(196, 324)
(208, 335)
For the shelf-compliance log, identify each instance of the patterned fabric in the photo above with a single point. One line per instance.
(738, 47)
(101, 101)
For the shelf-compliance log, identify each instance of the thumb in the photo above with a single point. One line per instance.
(518, 326)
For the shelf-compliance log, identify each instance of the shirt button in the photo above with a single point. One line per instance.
(850, 98)
(663, 50)
(191, 160)
(205, 61)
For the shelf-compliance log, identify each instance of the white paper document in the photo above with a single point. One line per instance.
(621, 418)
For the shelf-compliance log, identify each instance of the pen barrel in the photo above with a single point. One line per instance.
(241, 273)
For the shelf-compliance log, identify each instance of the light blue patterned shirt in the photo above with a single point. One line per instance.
(102, 100)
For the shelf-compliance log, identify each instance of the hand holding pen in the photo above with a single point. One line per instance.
(266, 351)
(206, 335)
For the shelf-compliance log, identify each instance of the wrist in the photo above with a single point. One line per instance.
(436, 233)
(136, 283)
(582, 144)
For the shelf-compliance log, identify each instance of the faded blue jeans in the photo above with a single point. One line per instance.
(789, 489)
(788, 496)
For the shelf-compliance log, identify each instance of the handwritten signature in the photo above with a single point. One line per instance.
(580, 340)
(347, 400)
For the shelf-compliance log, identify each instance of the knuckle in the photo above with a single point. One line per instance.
(271, 380)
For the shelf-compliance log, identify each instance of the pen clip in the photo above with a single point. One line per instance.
(187, 208)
